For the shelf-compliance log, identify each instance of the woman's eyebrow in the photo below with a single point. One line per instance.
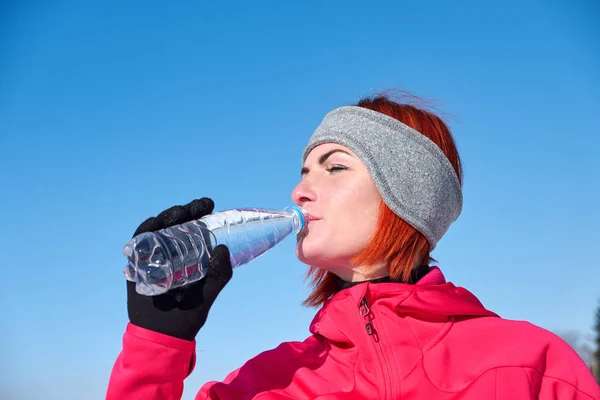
(324, 158)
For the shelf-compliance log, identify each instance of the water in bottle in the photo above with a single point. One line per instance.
(176, 256)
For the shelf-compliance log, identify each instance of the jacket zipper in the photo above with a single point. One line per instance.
(367, 314)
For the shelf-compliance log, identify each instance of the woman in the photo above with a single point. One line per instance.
(389, 325)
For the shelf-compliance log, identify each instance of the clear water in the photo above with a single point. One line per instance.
(176, 256)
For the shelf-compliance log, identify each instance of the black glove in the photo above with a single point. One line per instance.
(183, 311)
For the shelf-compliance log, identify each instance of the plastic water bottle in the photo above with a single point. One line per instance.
(178, 255)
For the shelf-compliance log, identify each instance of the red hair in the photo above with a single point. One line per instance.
(395, 242)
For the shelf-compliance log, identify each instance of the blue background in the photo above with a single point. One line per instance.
(112, 112)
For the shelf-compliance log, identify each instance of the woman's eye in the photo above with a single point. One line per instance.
(335, 168)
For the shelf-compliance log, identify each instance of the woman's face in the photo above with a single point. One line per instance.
(342, 199)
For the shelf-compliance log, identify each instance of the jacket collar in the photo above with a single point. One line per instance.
(431, 296)
(415, 276)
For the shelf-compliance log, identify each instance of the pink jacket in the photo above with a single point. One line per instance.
(431, 340)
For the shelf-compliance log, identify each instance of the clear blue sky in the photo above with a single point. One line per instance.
(112, 112)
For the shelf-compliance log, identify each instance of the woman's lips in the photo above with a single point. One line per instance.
(302, 234)
(313, 218)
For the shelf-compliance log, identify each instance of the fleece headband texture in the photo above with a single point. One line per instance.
(413, 175)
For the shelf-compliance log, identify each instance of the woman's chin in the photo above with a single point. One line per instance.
(304, 253)
(313, 256)
(301, 253)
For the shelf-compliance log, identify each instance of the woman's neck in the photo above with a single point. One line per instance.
(415, 275)
(362, 273)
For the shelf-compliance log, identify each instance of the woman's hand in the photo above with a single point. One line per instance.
(183, 311)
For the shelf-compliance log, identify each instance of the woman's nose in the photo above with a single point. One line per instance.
(303, 194)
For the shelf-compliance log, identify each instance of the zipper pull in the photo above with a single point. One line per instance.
(364, 308)
(370, 329)
(366, 312)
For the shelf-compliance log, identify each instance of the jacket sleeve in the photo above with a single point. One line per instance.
(150, 366)
(566, 376)
(292, 370)
(557, 389)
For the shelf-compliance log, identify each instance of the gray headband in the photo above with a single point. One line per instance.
(413, 175)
